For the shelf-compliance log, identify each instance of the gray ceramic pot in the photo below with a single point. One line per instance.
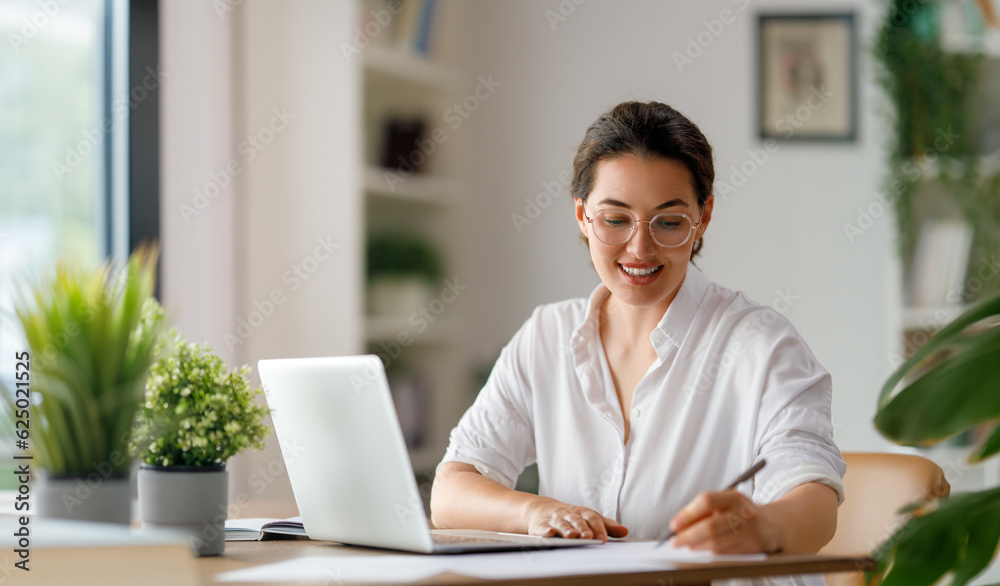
(92, 498)
(189, 498)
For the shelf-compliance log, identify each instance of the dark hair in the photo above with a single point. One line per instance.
(644, 129)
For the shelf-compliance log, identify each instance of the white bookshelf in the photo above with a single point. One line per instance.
(959, 34)
(431, 191)
(397, 69)
(398, 83)
(915, 324)
(919, 318)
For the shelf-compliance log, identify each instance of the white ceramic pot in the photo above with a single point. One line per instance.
(192, 499)
(398, 296)
(91, 498)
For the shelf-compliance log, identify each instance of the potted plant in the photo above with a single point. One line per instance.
(91, 337)
(402, 270)
(950, 385)
(933, 90)
(196, 415)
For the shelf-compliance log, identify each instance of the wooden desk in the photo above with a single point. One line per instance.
(244, 554)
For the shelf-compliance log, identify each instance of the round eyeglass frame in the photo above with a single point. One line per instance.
(649, 225)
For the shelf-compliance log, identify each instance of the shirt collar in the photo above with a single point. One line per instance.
(674, 324)
(678, 318)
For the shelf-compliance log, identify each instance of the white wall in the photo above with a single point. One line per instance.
(781, 231)
(253, 253)
(301, 215)
(199, 243)
(227, 73)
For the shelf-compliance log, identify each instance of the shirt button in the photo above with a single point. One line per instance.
(657, 336)
(636, 413)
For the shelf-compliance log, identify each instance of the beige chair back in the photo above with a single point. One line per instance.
(876, 486)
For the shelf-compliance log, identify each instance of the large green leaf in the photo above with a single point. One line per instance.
(990, 446)
(954, 392)
(981, 545)
(959, 536)
(948, 386)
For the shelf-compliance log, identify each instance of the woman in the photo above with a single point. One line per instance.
(658, 389)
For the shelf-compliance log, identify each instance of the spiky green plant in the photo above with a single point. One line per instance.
(91, 336)
(950, 385)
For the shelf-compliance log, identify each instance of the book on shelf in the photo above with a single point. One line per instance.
(407, 25)
(940, 263)
(263, 529)
(422, 39)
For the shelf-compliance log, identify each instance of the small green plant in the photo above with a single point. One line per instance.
(403, 254)
(91, 337)
(196, 412)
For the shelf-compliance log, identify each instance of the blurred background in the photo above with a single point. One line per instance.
(335, 177)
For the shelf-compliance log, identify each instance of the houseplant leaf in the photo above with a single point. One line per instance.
(981, 545)
(990, 446)
(948, 386)
(955, 392)
(960, 535)
(196, 411)
(89, 356)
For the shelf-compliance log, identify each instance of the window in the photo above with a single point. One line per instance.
(78, 84)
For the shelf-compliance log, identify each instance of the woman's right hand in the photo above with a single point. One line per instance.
(551, 518)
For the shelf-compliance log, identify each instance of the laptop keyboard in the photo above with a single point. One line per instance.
(447, 539)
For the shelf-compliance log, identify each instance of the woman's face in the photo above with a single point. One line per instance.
(640, 272)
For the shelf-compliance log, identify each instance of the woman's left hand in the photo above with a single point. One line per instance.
(726, 522)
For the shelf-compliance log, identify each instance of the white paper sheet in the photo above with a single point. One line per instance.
(622, 556)
(617, 557)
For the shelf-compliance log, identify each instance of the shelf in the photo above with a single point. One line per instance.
(410, 69)
(987, 164)
(988, 45)
(442, 330)
(959, 33)
(427, 189)
(934, 318)
(929, 318)
(400, 85)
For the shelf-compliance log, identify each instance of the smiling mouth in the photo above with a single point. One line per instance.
(641, 272)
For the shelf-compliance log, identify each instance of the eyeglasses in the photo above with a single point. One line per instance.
(617, 227)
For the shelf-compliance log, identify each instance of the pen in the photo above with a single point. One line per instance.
(741, 478)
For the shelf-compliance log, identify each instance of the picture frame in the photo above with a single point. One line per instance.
(807, 77)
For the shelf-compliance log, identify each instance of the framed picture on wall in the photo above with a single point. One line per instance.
(807, 77)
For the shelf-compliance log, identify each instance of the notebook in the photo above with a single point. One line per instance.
(348, 465)
(263, 529)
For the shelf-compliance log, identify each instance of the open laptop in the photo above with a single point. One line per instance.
(348, 464)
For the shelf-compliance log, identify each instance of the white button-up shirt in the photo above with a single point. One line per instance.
(733, 382)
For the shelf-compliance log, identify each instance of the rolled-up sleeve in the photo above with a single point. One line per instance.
(496, 434)
(795, 428)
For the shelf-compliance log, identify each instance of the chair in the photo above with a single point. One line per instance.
(876, 486)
